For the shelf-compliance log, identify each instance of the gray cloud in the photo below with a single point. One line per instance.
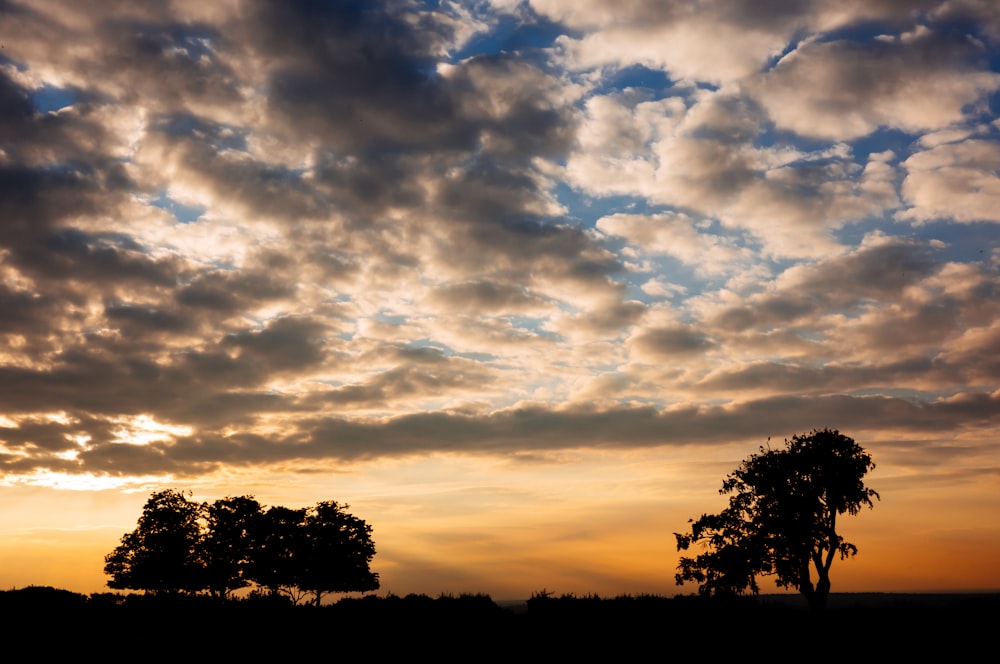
(486, 297)
(668, 341)
(536, 429)
(846, 283)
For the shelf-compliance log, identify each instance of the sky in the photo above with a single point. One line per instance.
(520, 281)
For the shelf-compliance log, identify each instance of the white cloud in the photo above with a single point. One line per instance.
(957, 181)
(676, 235)
(842, 90)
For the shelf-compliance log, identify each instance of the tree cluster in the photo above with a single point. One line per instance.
(183, 546)
(781, 519)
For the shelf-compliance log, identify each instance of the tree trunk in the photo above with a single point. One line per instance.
(815, 595)
(817, 603)
(808, 592)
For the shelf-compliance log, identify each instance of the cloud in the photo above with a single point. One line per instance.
(842, 90)
(954, 180)
(875, 273)
(719, 42)
(670, 36)
(708, 160)
(283, 344)
(486, 297)
(665, 342)
(675, 235)
(534, 428)
(505, 228)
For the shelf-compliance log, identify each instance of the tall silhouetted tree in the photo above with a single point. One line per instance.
(781, 519)
(160, 555)
(337, 550)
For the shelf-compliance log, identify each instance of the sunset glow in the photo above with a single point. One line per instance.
(519, 280)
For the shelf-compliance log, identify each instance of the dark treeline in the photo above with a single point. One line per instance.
(181, 546)
(474, 627)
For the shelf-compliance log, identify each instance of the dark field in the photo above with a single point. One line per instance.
(45, 622)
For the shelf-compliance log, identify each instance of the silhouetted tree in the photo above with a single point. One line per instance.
(781, 519)
(275, 563)
(228, 542)
(160, 555)
(337, 550)
(184, 546)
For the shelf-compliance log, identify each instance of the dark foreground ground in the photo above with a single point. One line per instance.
(42, 623)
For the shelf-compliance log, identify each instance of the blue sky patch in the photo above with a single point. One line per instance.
(49, 98)
(185, 214)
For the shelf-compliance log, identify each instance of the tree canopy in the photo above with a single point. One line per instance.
(184, 546)
(228, 542)
(781, 519)
(275, 565)
(337, 551)
(161, 554)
